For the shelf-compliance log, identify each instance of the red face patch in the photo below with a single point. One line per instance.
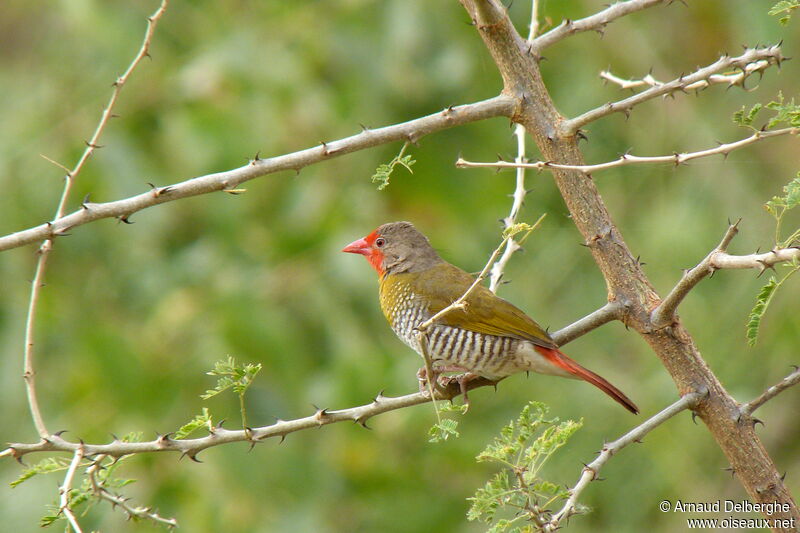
(369, 247)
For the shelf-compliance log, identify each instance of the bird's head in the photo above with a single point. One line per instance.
(396, 247)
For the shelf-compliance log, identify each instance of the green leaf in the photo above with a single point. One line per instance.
(522, 448)
(49, 519)
(785, 112)
(762, 302)
(384, 171)
(133, 436)
(199, 421)
(792, 189)
(519, 227)
(784, 8)
(489, 498)
(745, 118)
(451, 407)
(231, 376)
(443, 430)
(779, 205)
(45, 466)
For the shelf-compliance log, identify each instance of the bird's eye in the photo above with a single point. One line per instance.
(380, 241)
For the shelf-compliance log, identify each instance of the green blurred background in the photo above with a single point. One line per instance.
(134, 315)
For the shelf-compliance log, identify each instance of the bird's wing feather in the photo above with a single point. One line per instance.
(485, 312)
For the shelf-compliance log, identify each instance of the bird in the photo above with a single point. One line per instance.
(485, 337)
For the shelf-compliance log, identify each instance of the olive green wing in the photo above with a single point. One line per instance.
(485, 312)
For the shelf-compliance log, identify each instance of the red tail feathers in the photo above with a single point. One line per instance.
(562, 361)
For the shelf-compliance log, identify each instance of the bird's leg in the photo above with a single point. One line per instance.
(463, 380)
(422, 377)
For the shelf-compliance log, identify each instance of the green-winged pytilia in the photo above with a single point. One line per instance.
(487, 337)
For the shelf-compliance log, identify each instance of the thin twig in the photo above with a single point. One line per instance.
(789, 381)
(422, 329)
(611, 311)
(760, 262)
(516, 206)
(99, 490)
(534, 27)
(65, 489)
(664, 314)
(595, 22)
(732, 79)
(92, 144)
(628, 159)
(771, 54)
(591, 470)
(29, 374)
(411, 131)
(459, 303)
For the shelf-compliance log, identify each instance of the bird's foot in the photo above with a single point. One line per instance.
(422, 377)
(463, 380)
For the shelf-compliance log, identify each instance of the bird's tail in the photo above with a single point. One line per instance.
(560, 360)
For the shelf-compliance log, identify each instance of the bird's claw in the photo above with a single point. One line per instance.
(422, 377)
(444, 382)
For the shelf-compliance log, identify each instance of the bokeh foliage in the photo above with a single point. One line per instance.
(134, 315)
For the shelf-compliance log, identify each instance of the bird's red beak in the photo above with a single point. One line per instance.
(361, 246)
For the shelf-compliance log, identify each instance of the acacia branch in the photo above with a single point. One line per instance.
(533, 28)
(595, 22)
(590, 471)
(66, 488)
(92, 143)
(410, 131)
(29, 373)
(628, 159)
(496, 274)
(664, 314)
(789, 381)
(731, 80)
(771, 55)
(360, 414)
(101, 492)
(611, 311)
(760, 262)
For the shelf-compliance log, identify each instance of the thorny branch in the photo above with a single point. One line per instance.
(664, 314)
(760, 262)
(29, 374)
(596, 22)
(66, 488)
(533, 28)
(789, 381)
(361, 414)
(119, 501)
(520, 192)
(611, 311)
(591, 470)
(771, 55)
(628, 159)
(411, 131)
(717, 259)
(731, 80)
